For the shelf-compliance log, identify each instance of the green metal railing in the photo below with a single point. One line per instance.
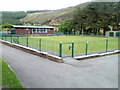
(60, 51)
(65, 49)
(86, 47)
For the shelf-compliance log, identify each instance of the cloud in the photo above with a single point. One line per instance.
(20, 5)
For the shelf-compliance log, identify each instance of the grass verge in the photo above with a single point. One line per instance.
(8, 76)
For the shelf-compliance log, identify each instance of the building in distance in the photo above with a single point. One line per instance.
(22, 30)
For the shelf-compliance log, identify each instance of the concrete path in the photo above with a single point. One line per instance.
(37, 72)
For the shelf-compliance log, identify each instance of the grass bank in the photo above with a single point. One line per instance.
(8, 76)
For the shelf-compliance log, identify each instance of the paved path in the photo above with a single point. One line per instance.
(37, 72)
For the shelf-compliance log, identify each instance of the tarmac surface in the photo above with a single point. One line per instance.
(37, 72)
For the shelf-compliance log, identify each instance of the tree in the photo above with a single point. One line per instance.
(13, 17)
(6, 25)
(66, 26)
(95, 16)
(85, 19)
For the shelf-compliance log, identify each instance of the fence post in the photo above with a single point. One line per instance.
(11, 39)
(27, 41)
(60, 49)
(18, 39)
(72, 49)
(87, 47)
(39, 44)
(5, 38)
(106, 45)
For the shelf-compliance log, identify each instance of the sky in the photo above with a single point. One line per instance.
(25, 5)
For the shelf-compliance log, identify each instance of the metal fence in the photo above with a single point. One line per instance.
(65, 49)
(89, 47)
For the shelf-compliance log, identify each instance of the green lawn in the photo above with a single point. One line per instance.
(51, 43)
(8, 77)
(94, 43)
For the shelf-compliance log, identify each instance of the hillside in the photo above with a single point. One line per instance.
(12, 17)
(53, 17)
(96, 18)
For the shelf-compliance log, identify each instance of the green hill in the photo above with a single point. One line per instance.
(12, 17)
(39, 17)
(50, 17)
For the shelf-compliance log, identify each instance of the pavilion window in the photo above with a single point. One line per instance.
(27, 29)
(42, 31)
(34, 30)
(39, 30)
(45, 30)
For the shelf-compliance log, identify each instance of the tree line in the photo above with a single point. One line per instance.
(12, 17)
(37, 11)
(96, 18)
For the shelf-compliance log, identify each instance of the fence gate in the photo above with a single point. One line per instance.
(66, 49)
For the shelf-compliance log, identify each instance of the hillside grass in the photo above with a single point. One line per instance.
(52, 17)
(51, 44)
(8, 76)
(44, 17)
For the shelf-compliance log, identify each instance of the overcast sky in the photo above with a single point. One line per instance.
(24, 5)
